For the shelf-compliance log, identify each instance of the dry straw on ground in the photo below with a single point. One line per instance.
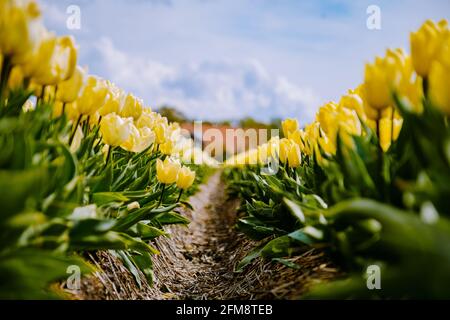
(198, 261)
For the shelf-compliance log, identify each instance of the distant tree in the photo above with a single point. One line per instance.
(172, 114)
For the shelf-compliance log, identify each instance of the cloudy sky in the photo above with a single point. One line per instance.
(226, 59)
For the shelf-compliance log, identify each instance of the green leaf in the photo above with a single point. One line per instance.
(102, 198)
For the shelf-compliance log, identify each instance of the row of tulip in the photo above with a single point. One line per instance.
(367, 179)
(84, 165)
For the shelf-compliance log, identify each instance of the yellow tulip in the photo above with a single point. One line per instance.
(18, 23)
(262, 154)
(68, 90)
(160, 130)
(146, 119)
(92, 96)
(167, 147)
(55, 61)
(133, 137)
(132, 107)
(439, 88)
(298, 137)
(285, 146)
(185, 178)
(167, 170)
(114, 129)
(353, 101)
(114, 100)
(426, 45)
(294, 156)
(288, 126)
(383, 77)
(385, 133)
(16, 78)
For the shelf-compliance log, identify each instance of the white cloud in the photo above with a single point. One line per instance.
(221, 89)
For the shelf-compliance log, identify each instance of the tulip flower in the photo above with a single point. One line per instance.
(68, 90)
(115, 130)
(426, 44)
(185, 180)
(294, 156)
(167, 173)
(55, 60)
(440, 80)
(383, 77)
(160, 133)
(92, 97)
(285, 146)
(19, 21)
(289, 125)
(132, 107)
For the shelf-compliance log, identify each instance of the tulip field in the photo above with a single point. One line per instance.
(86, 167)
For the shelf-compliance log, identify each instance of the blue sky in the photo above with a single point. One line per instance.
(226, 59)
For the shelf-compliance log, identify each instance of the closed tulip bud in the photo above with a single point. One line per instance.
(384, 77)
(289, 125)
(18, 23)
(327, 118)
(16, 78)
(167, 147)
(72, 111)
(132, 107)
(294, 156)
(285, 146)
(114, 100)
(439, 88)
(385, 133)
(92, 96)
(263, 153)
(167, 171)
(186, 178)
(114, 129)
(426, 45)
(55, 61)
(353, 101)
(160, 130)
(298, 137)
(69, 90)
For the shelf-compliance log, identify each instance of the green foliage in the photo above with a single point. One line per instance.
(366, 206)
(56, 202)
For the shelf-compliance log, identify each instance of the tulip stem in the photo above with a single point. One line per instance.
(162, 195)
(4, 76)
(63, 108)
(425, 86)
(108, 155)
(75, 129)
(179, 195)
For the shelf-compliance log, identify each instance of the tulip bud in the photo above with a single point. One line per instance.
(92, 96)
(294, 156)
(68, 90)
(167, 171)
(185, 178)
(383, 77)
(18, 23)
(285, 146)
(426, 45)
(439, 88)
(289, 125)
(132, 107)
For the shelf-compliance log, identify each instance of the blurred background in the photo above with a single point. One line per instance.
(224, 61)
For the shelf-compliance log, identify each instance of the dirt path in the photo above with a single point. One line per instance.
(198, 261)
